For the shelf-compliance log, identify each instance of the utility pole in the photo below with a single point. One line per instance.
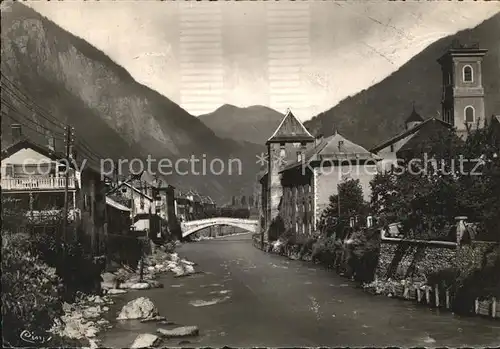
(69, 141)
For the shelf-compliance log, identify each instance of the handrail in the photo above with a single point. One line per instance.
(37, 182)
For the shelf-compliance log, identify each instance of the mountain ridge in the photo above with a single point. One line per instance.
(119, 117)
(386, 104)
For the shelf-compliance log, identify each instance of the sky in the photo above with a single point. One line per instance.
(306, 56)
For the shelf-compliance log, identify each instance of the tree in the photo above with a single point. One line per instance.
(334, 219)
(451, 178)
(243, 201)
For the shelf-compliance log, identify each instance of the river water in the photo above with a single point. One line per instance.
(245, 297)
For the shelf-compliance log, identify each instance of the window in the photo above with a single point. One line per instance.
(392, 148)
(369, 221)
(9, 170)
(467, 73)
(299, 156)
(282, 150)
(469, 114)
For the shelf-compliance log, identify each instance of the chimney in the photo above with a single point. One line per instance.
(17, 132)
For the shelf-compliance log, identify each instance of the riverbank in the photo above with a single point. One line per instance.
(90, 315)
(435, 296)
(243, 297)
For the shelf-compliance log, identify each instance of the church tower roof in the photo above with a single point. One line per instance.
(414, 116)
(290, 130)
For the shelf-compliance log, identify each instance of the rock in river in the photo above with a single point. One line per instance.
(145, 340)
(139, 308)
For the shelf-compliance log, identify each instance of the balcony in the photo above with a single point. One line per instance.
(37, 183)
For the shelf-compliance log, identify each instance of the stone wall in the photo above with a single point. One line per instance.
(399, 260)
(403, 259)
(474, 255)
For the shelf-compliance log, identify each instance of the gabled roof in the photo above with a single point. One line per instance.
(116, 205)
(336, 148)
(26, 143)
(128, 185)
(196, 196)
(406, 133)
(207, 200)
(81, 162)
(290, 130)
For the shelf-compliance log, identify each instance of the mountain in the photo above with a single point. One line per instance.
(253, 124)
(75, 83)
(379, 112)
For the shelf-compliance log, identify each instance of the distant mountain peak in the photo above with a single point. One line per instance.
(255, 123)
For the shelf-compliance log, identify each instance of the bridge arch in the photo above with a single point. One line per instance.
(192, 227)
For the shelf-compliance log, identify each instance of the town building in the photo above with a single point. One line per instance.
(462, 107)
(209, 205)
(34, 176)
(303, 172)
(463, 93)
(118, 215)
(151, 202)
(410, 142)
(183, 205)
(197, 204)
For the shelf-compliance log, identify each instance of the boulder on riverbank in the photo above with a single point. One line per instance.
(79, 318)
(145, 340)
(139, 308)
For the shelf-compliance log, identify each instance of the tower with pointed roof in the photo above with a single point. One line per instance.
(414, 119)
(287, 143)
(463, 93)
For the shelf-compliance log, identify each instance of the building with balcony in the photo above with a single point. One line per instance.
(33, 177)
(34, 182)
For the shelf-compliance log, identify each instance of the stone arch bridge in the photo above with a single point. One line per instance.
(190, 227)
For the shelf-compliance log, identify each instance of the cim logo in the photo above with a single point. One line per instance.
(34, 338)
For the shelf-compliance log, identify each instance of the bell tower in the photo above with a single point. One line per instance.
(286, 145)
(463, 93)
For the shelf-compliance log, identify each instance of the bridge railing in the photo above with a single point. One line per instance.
(219, 219)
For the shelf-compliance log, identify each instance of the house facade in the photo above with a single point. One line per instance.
(34, 176)
(151, 202)
(118, 217)
(412, 141)
(304, 172)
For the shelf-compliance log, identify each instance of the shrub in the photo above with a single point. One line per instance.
(444, 278)
(307, 247)
(30, 289)
(362, 254)
(324, 251)
(276, 228)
